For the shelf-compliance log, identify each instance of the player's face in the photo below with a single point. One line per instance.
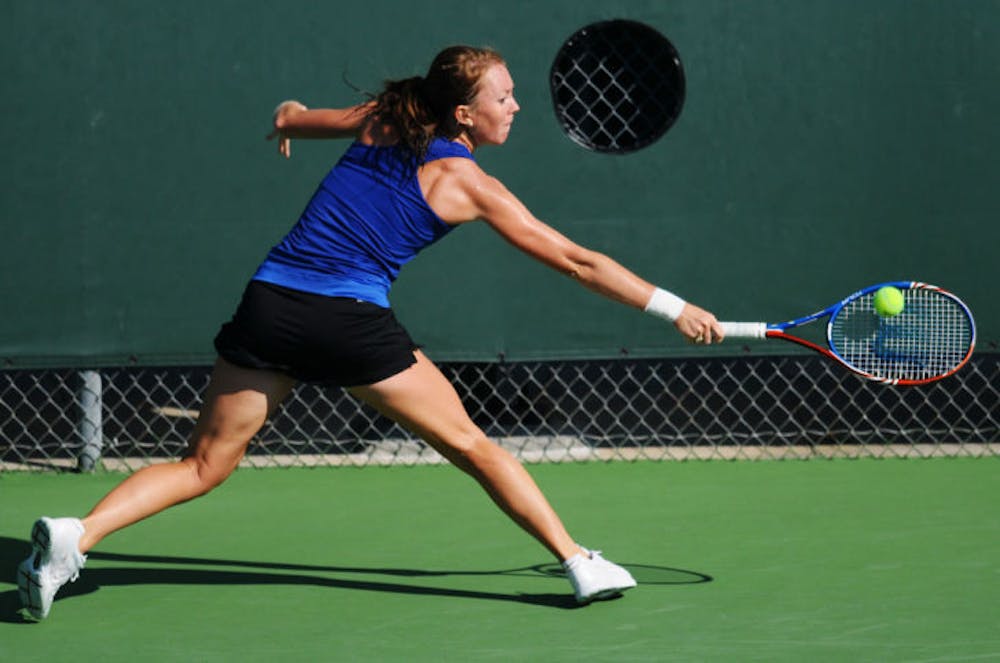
(492, 111)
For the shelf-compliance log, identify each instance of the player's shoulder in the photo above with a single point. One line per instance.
(459, 190)
(456, 164)
(460, 171)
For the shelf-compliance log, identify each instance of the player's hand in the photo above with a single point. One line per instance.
(284, 143)
(698, 325)
(284, 109)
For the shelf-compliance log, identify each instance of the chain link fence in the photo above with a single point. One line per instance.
(553, 411)
(616, 86)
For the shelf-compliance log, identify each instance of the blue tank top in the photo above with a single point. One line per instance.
(366, 220)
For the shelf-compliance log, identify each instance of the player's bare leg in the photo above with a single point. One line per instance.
(422, 400)
(237, 403)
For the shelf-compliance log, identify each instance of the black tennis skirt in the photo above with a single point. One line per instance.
(334, 341)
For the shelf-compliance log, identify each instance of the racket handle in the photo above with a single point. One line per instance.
(744, 329)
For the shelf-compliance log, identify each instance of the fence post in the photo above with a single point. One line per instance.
(90, 426)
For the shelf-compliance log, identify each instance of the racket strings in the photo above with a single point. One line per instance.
(932, 336)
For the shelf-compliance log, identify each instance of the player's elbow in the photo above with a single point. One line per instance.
(582, 265)
(558, 252)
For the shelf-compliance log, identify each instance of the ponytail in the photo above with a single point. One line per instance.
(422, 107)
(402, 107)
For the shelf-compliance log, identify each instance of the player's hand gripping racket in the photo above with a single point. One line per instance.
(931, 338)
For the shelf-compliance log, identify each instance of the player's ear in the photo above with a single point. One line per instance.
(463, 116)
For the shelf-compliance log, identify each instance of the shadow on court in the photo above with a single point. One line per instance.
(13, 551)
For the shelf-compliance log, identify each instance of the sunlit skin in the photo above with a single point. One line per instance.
(489, 117)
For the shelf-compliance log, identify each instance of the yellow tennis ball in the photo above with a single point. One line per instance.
(888, 301)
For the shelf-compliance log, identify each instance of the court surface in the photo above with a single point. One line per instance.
(846, 560)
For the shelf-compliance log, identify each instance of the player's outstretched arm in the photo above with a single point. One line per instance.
(492, 202)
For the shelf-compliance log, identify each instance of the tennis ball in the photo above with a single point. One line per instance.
(888, 301)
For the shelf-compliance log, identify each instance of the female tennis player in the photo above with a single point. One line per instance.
(317, 310)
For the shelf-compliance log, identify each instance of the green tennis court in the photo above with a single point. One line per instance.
(851, 560)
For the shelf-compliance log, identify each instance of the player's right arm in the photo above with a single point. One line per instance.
(469, 193)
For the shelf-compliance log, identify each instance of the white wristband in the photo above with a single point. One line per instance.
(288, 101)
(665, 304)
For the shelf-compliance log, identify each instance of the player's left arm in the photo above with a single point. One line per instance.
(292, 119)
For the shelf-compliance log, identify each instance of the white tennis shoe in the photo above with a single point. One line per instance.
(55, 560)
(594, 578)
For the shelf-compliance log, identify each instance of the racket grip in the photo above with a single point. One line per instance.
(744, 329)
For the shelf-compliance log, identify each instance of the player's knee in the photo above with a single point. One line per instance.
(207, 475)
(211, 478)
(461, 447)
(480, 452)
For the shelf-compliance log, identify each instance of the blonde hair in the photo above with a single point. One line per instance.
(422, 107)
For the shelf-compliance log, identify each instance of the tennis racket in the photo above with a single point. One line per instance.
(930, 339)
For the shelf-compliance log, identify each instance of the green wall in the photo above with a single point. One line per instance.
(824, 145)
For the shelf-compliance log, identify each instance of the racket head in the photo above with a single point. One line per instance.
(931, 338)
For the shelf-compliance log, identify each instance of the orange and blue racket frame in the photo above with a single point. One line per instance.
(931, 338)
